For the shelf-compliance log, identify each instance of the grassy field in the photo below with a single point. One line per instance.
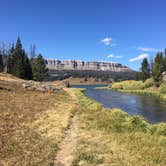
(32, 123)
(115, 138)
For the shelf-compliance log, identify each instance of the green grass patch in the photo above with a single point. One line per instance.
(144, 88)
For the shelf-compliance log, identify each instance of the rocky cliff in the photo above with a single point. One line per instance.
(85, 65)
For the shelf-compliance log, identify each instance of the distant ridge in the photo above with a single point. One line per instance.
(52, 64)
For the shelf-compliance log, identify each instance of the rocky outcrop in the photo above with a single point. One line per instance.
(39, 86)
(84, 65)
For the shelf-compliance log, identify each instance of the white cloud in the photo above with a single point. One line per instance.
(140, 57)
(112, 56)
(107, 41)
(146, 49)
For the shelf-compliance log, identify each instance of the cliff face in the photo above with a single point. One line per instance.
(84, 65)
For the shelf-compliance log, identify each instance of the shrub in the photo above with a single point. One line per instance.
(149, 83)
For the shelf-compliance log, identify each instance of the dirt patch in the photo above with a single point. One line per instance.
(67, 147)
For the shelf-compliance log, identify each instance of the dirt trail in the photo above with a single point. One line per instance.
(67, 147)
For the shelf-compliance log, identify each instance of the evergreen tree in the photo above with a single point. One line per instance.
(1, 63)
(18, 62)
(19, 53)
(145, 69)
(11, 60)
(39, 68)
(27, 68)
(158, 68)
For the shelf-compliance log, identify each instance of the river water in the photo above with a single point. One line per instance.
(151, 108)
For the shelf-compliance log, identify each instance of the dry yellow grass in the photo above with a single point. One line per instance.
(77, 81)
(31, 124)
(9, 78)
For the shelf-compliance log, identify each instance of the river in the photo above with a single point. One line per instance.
(151, 108)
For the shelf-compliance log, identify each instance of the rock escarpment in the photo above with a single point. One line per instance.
(85, 65)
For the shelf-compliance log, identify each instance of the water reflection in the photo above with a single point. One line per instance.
(149, 107)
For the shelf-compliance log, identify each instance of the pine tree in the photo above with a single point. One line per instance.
(18, 62)
(11, 60)
(1, 63)
(27, 68)
(145, 69)
(39, 68)
(158, 68)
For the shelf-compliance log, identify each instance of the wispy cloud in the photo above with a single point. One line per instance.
(118, 56)
(147, 49)
(110, 56)
(113, 56)
(106, 41)
(139, 57)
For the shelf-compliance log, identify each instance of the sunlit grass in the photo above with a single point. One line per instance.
(32, 124)
(112, 137)
(145, 88)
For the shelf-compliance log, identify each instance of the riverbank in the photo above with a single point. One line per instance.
(144, 88)
(148, 93)
(112, 137)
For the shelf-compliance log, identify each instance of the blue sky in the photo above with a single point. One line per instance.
(122, 31)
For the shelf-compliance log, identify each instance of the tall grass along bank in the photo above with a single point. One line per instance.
(112, 137)
(139, 87)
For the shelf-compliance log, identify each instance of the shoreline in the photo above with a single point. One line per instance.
(105, 135)
(156, 94)
(82, 90)
(146, 92)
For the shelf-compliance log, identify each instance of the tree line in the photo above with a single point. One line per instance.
(15, 61)
(153, 69)
(106, 76)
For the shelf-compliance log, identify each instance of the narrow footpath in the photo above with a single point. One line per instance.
(67, 147)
